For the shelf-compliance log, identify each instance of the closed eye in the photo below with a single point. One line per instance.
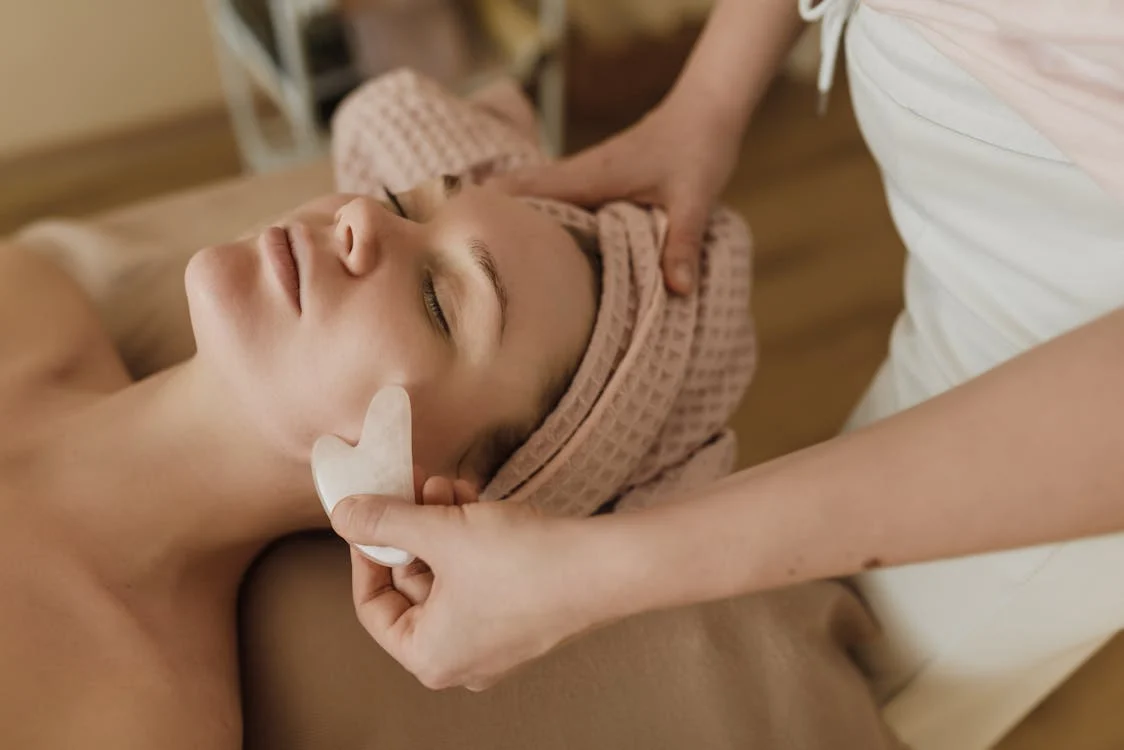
(433, 305)
(429, 291)
(397, 204)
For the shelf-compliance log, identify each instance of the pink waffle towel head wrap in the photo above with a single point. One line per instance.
(647, 410)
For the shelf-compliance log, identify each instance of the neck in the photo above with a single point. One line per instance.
(182, 476)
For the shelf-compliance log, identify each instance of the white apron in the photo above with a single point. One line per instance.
(1009, 244)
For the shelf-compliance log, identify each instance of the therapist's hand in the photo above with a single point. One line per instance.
(500, 585)
(674, 158)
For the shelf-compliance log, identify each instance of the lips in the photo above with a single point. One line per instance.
(278, 247)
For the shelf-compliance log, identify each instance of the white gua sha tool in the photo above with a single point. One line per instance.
(380, 464)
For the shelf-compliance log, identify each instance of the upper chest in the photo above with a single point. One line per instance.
(81, 663)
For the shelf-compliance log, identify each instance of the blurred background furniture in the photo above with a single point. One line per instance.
(286, 64)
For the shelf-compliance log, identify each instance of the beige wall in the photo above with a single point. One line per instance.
(75, 69)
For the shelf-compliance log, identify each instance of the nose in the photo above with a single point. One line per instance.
(361, 225)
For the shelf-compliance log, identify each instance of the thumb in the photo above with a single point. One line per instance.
(682, 249)
(386, 521)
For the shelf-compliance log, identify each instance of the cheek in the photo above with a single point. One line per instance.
(449, 414)
(442, 429)
(365, 342)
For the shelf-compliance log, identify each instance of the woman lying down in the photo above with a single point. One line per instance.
(545, 365)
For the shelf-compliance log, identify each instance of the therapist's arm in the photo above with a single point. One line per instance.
(1031, 452)
(736, 58)
(681, 154)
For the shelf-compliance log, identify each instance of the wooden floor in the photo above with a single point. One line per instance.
(828, 288)
(828, 272)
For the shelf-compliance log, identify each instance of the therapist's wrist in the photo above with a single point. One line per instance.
(618, 568)
(706, 112)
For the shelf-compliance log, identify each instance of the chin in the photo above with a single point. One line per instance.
(224, 275)
(220, 286)
(238, 342)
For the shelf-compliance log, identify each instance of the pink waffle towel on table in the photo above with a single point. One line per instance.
(647, 411)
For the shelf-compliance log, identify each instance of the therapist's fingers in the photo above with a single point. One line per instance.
(378, 604)
(438, 491)
(464, 492)
(686, 226)
(389, 522)
(587, 178)
(414, 581)
(443, 491)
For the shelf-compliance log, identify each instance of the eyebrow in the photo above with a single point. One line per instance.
(486, 262)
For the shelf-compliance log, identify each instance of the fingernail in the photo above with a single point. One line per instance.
(684, 275)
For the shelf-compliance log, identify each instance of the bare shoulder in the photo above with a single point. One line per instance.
(49, 329)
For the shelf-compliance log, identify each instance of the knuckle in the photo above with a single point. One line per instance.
(365, 517)
(433, 679)
(363, 514)
(346, 516)
(416, 568)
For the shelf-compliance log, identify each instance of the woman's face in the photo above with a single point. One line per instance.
(470, 299)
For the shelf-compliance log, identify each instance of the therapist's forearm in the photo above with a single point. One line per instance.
(1031, 452)
(735, 59)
